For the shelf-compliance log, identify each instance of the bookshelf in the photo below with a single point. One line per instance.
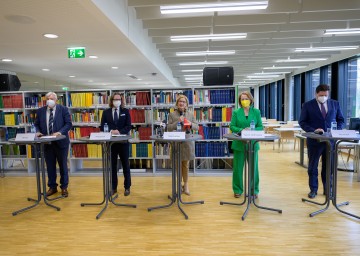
(148, 107)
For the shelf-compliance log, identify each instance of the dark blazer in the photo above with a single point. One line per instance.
(62, 123)
(312, 119)
(124, 123)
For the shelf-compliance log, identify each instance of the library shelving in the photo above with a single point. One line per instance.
(148, 107)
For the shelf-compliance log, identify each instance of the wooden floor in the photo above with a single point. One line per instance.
(211, 229)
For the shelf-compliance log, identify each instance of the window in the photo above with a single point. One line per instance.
(353, 93)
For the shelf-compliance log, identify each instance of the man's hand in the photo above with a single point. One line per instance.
(39, 134)
(115, 132)
(56, 133)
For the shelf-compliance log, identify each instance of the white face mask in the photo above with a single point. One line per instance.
(50, 103)
(322, 99)
(116, 103)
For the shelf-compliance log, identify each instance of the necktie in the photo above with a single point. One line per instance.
(116, 117)
(51, 120)
(323, 110)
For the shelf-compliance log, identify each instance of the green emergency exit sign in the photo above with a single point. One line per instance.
(76, 53)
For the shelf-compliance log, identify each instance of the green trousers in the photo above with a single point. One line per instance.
(238, 172)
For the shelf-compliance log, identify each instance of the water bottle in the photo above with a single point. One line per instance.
(252, 125)
(178, 127)
(32, 128)
(334, 125)
(106, 127)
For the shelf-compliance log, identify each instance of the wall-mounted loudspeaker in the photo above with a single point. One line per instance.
(218, 76)
(9, 82)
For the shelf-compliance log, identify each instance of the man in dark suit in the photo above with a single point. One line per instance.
(317, 116)
(117, 117)
(55, 119)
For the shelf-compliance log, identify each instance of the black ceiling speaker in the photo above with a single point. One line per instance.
(218, 76)
(9, 82)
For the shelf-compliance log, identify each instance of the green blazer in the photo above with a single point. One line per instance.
(239, 122)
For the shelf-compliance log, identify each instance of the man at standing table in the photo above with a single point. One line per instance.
(55, 119)
(118, 120)
(317, 116)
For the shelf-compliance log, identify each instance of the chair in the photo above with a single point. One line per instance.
(285, 136)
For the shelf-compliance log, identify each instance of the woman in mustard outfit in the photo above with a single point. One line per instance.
(240, 120)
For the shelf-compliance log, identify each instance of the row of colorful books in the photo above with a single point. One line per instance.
(11, 101)
(213, 132)
(140, 115)
(87, 116)
(87, 99)
(141, 150)
(213, 114)
(86, 150)
(211, 149)
(14, 118)
(138, 98)
(170, 97)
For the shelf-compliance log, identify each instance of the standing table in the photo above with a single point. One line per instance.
(176, 175)
(331, 171)
(106, 169)
(249, 172)
(38, 146)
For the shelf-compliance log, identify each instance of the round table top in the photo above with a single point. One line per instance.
(188, 137)
(39, 140)
(328, 136)
(112, 139)
(232, 136)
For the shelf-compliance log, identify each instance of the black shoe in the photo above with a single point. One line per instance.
(312, 194)
(113, 192)
(127, 192)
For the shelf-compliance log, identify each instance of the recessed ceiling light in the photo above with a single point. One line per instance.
(93, 57)
(214, 7)
(192, 70)
(205, 53)
(284, 67)
(324, 49)
(51, 36)
(203, 63)
(263, 76)
(72, 76)
(300, 60)
(272, 73)
(115, 67)
(6, 60)
(347, 31)
(218, 37)
(45, 69)
(90, 81)
(129, 74)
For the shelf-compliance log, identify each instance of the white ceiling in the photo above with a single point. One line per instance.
(134, 36)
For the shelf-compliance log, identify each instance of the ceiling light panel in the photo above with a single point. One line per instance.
(216, 37)
(348, 31)
(214, 7)
(203, 63)
(205, 53)
(326, 49)
(300, 60)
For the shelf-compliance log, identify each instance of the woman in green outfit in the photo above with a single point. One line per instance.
(240, 120)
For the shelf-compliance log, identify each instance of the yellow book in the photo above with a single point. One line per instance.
(29, 155)
(150, 150)
(223, 114)
(133, 150)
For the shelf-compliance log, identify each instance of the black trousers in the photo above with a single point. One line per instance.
(121, 150)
